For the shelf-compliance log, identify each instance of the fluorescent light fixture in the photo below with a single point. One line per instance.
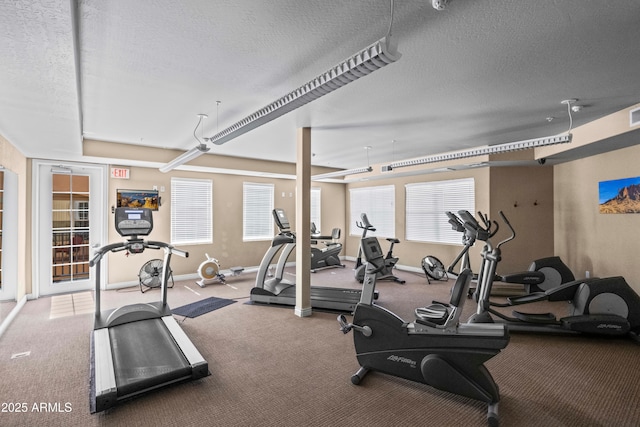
(372, 58)
(341, 173)
(196, 151)
(482, 151)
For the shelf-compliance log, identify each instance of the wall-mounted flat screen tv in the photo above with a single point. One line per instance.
(138, 199)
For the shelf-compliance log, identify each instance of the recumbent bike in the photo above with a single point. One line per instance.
(435, 349)
(329, 256)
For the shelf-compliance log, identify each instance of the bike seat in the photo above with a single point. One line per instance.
(433, 315)
(393, 240)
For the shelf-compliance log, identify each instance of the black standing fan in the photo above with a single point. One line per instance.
(433, 268)
(150, 275)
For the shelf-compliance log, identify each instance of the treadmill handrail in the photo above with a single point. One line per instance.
(147, 244)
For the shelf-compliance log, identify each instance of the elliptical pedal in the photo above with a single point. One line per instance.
(544, 318)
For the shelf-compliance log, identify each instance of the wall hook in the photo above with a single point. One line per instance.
(515, 205)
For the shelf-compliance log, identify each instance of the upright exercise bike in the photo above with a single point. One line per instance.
(386, 272)
(434, 349)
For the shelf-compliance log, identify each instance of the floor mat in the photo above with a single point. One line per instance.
(199, 308)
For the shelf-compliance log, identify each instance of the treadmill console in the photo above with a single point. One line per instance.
(281, 219)
(134, 221)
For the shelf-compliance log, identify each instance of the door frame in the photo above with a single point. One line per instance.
(98, 235)
(10, 237)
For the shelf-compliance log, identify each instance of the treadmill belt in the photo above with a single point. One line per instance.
(145, 356)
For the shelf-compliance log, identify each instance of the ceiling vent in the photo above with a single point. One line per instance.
(634, 117)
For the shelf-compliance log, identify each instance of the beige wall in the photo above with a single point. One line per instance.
(13, 160)
(603, 244)
(498, 188)
(525, 195)
(228, 247)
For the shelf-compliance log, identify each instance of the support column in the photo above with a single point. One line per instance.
(303, 223)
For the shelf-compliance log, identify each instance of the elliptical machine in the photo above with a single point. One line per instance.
(542, 274)
(386, 272)
(599, 306)
(435, 349)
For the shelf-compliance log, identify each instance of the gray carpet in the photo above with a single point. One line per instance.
(271, 368)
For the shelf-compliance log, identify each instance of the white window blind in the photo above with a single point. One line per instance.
(191, 211)
(316, 207)
(379, 205)
(426, 204)
(257, 207)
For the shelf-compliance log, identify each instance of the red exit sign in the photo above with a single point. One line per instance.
(120, 173)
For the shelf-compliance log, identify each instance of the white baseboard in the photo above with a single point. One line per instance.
(12, 314)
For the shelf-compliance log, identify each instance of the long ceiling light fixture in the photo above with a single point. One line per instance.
(337, 174)
(346, 172)
(493, 149)
(196, 151)
(369, 59)
(481, 151)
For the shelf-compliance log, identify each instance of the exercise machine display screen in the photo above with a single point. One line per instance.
(134, 222)
(281, 219)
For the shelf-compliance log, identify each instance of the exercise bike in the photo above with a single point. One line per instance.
(598, 306)
(435, 349)
(386, 272)
(329, 256)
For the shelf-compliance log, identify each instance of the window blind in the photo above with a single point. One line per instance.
(191, 211)
(257, 207)
(426, 204)
(379, 205)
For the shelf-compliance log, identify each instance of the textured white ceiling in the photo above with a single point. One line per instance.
(480, 72)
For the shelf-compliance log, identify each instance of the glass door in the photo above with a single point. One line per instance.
(70, 220)
(70, 227)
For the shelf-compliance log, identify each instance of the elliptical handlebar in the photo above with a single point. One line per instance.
(513, 232)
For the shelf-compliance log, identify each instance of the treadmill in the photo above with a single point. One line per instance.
(139, 347)
(278, 290)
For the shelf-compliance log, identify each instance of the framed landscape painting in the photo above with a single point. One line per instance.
(138, 199)
(619, 195)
